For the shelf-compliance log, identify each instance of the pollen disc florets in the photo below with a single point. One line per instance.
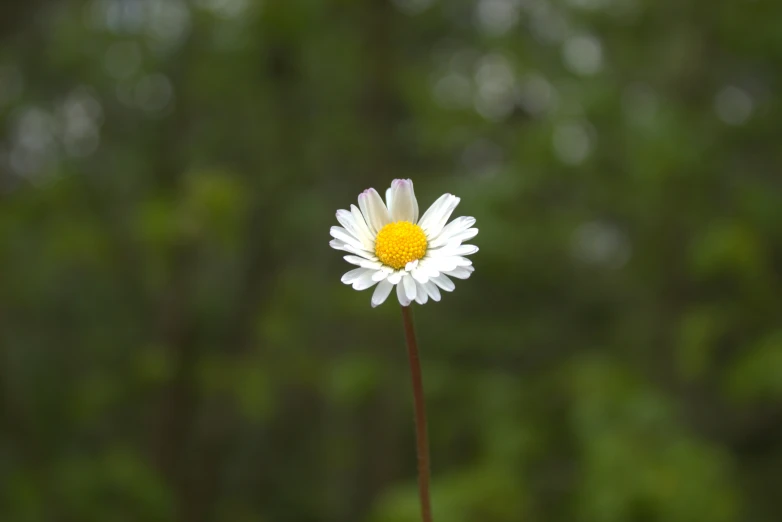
(400, 243)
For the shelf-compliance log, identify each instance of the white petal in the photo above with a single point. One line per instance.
(346, 237)
(444, 282)
(462, 261)
(358, 251)
(336, 244)
(377, 265)
(437, 225)
(400, 293)
(442, 264)
(379, 275)
(421, 297)
(432, 290)
(420, 274)
(452, 249)
(374, 210)
(381, 293)
(427, 266)
(465, 250)
(361, 223)
(437, 216)
(446, 250)
(456, 226)
(395, 277)
(409, 286)
(354, 260)
(435, 208)
(466, 235)
(460, 273)
(403, 206)
(363, 262)
(347, 220)
(365, 281)
(411, 265)
(352, 276)
(389, 198)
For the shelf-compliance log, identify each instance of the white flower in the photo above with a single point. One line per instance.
(392, 247)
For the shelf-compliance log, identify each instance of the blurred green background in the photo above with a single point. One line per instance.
(176, 344)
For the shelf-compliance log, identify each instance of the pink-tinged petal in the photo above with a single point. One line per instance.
(403, 206)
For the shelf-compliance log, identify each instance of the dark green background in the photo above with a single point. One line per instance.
(176, 343)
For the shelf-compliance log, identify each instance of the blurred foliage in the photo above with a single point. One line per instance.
(174, 340)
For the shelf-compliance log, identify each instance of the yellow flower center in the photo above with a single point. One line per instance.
(399, 243)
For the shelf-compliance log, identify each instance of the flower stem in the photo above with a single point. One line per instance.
(422, 440)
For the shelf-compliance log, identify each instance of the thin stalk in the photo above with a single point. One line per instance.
(422, 440)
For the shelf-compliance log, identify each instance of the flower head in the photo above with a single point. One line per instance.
(393, 247)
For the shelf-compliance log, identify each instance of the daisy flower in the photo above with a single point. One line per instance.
(391, 246)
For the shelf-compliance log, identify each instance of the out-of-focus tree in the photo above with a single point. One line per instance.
(174, 340)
